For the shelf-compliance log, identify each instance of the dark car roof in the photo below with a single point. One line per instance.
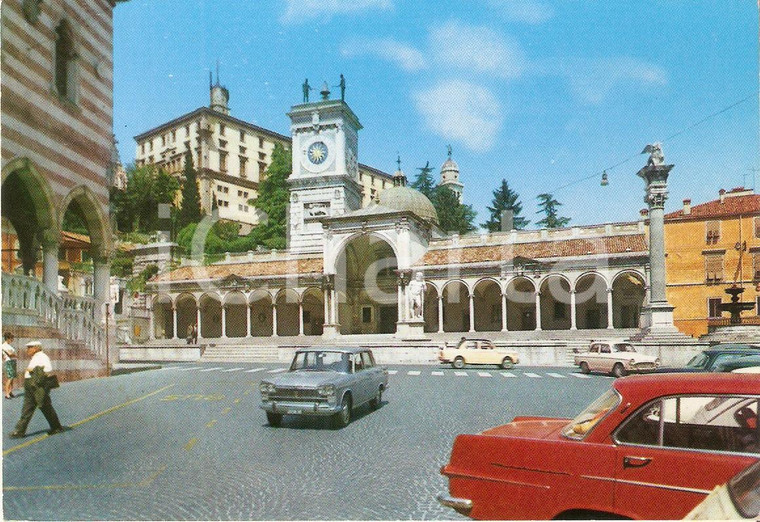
(741, 362)
(656, 385)
(723, 348)
(346, 349)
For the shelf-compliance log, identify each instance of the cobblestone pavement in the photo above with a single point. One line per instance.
(189, 441)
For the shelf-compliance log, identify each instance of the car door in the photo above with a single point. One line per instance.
(470, 352)
(675, 450)
(606, 358)
(362, 381)
(374, 373)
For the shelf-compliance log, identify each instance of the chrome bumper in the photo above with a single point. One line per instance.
(300, 408)
(461, 505)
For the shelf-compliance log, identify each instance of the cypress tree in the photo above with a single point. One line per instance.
(424, 181)
(190, 212)
(504, 198)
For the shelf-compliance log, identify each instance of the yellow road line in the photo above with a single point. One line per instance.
(225, 411)
(237, 400)
(192, 442)
(210, 424)
(52, 487)
(88, 419)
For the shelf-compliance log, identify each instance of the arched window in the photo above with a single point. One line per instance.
(64, 61)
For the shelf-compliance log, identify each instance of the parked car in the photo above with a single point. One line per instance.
(738, 499)
(652, 447)
(616, 357)
(739, 363)
(715, 358)
(326, 382)
(478, 351)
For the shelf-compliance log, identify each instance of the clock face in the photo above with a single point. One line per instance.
(317, 153)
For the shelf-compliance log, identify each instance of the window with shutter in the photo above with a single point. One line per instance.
(712, 232)
(713, 307)
(757, 228)
(756, 266)
(713, 267)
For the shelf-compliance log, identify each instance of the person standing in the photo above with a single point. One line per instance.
(37, 392)
(9, 364)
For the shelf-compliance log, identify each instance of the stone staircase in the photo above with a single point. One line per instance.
(240, 353)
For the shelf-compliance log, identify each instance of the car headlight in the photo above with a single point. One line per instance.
(632, 362)
(266, 388)
(327, 390)
(657, 363)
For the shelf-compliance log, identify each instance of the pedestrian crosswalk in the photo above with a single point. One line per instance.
(514, 374)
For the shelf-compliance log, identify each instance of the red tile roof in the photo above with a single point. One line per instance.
(538, 250)
(732, 206)
(247, 269)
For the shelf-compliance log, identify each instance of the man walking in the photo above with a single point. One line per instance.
(37, 392)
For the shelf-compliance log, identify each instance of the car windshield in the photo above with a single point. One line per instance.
(590, 417)
(320, 361)
(698, 361)
(744, 489)
(624, 347)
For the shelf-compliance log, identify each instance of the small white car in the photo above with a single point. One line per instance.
(477, 351)
(616, 357)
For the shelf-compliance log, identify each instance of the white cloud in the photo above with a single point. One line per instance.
(592, 81)
(301, 10)
(461, 111)
(405, 56)
(527, 11)
(476, 48)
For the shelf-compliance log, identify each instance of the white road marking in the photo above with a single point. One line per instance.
(392, 372)
(278, 370)
(556, 375)
(413, 372)
(191, 368)
(460, 374)
(233, 369)
(581, 375)
(508, 374)
(484, 374)
(532, 375)
(210, 369)
(255, 370)
(436, 373)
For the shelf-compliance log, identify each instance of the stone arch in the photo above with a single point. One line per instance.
(210, 305)
(163, 316)
(235, 312)
(260, 301)
(313, 301)
(591, 301)
(628, 294)
(286, 302)
(331, 263)
(187, 313)
(366, 285)
(96, 220)
(456, 306)
(555, 302)
(430, 307)
(521, 304)
(28, 203)
(487, 305)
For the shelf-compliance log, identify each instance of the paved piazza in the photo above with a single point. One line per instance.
(188, 441)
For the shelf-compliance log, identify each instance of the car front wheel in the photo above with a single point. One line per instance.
(618, 370)
(458, 363)
(274, 419)
(585, 368)
(507, 363)
(343, 417)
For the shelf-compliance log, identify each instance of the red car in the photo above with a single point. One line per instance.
(652, 447)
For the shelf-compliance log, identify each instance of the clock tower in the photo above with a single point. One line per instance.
(324, 180)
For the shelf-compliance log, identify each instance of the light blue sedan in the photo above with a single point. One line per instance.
(327, 382)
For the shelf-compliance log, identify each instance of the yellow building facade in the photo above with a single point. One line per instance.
(710, 247)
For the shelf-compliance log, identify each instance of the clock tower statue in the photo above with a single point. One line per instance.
(324, 180)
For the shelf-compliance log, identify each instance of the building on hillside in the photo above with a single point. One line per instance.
(57, 129)
(231, 157)
(710, 247)
(386, 268)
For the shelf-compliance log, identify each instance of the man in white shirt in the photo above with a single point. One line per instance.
(37, 392)
(9, 364)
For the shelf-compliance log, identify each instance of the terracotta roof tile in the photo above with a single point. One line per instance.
(732, 206)
(538, 250)
(248, 269)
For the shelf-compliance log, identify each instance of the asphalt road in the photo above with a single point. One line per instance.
(190, 442)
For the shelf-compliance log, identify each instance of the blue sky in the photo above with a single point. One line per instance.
(546, 94)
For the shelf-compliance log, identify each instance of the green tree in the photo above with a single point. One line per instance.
(504, 198)
(146, 187)
(453, 216)
(273, 200)
(548, 206)
(424, 181)
(190, 211)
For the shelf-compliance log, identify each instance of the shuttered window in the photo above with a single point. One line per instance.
(757, 227)
(713, 267)
(712, 232)
(713, 307)
(756, 266)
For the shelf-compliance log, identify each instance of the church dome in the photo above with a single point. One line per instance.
(408, 199)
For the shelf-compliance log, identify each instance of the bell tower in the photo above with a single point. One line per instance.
(325, 178)
(220, 96)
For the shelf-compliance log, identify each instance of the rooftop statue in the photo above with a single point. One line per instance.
(656, 157)
(306, 88)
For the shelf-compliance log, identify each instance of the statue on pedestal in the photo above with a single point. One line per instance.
(306, 88)
(416, 290)
(656, 157)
